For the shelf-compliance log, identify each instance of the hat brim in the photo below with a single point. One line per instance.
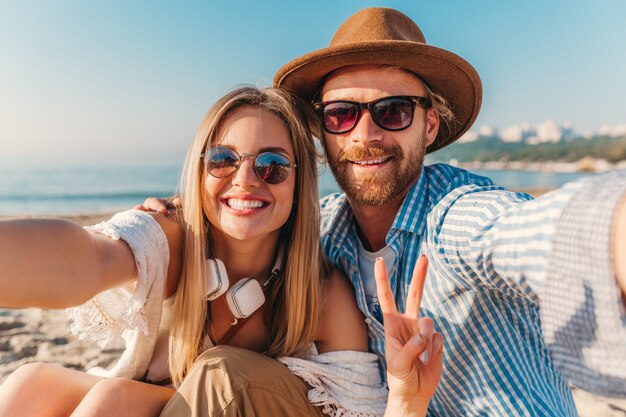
(445, 73)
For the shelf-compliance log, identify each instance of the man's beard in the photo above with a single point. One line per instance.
(377, 188)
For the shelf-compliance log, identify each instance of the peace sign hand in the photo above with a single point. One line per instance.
(412, 347)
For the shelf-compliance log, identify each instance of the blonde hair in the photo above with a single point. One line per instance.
(295, 297)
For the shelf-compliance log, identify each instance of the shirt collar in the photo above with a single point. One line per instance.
(411, 216)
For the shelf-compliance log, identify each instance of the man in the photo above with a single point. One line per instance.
(499, 263)
(518, 287)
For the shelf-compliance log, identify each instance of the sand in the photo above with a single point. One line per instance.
(36, 335)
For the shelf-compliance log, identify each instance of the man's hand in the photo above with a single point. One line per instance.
(160, 205)
(412, 347)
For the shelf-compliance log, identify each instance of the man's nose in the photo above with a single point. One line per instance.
(366, 130)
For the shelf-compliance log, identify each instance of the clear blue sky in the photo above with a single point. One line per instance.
(96, 79)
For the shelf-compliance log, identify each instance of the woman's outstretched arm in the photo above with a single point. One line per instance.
(56, 263)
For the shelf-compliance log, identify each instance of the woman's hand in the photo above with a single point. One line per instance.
(412, 347)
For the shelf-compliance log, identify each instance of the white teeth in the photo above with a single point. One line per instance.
(243, 204)
(371, 161)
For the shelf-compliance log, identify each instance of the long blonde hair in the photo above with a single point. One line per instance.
(296, 297)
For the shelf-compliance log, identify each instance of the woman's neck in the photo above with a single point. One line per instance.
(246, 258)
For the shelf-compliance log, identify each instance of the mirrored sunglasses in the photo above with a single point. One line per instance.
(270, 167)
(390, 113)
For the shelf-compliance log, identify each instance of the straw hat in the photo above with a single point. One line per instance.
(388, 37)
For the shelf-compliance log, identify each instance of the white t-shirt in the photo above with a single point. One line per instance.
(366, 266)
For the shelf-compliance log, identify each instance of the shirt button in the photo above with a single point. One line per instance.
(368, 320)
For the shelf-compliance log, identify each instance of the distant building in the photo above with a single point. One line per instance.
(613, 131)
(548, 131)
(487, 131)
(518, 133)
(468, 137)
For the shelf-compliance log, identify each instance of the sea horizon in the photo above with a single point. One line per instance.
(85, 189)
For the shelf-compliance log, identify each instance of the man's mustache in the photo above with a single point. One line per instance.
(357, 153)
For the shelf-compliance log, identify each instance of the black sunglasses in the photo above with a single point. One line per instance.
(270, 167)
(390, 113)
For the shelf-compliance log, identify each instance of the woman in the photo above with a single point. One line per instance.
(249, 191)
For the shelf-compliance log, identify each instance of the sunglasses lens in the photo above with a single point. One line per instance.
(222, 162)
(340, 117)
(272, 168)
(393, 113)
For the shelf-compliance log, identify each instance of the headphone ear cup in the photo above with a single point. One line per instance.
(216, 278)
(245, 297)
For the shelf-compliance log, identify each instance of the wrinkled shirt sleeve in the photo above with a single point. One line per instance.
(555, 251)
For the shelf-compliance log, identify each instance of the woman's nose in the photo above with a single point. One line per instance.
(245, 176)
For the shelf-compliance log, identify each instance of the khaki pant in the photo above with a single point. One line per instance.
(226, 382)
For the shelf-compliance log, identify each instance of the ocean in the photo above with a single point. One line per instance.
(82, 189)
(96, 188)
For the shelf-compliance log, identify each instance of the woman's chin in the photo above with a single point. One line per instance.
(248, 234)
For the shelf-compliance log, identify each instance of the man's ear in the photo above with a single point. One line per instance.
(432, 126)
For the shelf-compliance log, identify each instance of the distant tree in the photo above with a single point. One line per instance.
(613, 149)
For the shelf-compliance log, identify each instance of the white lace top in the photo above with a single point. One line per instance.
(344, 383)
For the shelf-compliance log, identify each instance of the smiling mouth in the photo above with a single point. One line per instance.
(238, 204)
(367, 162)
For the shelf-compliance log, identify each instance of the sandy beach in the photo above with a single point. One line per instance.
(35, 335)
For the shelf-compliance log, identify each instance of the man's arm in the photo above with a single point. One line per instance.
(562, 252)
(582, 307)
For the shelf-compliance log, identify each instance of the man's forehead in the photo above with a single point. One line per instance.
(392, 79)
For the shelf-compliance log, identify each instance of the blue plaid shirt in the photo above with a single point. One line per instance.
(500, 263)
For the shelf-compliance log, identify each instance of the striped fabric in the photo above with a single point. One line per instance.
(490, 254)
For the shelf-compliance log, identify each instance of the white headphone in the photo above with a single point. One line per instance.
(245, 296)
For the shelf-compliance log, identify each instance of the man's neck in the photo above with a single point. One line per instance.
(373, 222)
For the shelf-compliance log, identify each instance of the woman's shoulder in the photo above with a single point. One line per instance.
(343, 325)
(149, 232)
(338, 288)
(170, 224)
(173, 230)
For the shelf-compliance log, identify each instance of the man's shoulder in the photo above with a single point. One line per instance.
(443, 176)
(331, 206)
(447, 185)
(454, 193)
(332, 203)
(446, 182)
